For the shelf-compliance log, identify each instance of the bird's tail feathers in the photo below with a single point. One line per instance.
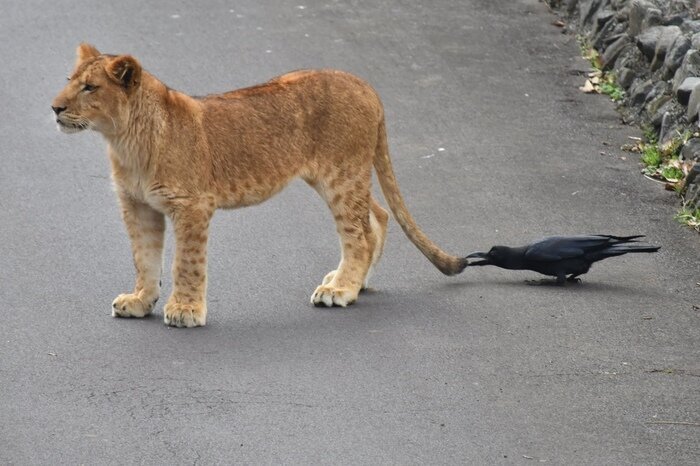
(619, 249)
(625, 239)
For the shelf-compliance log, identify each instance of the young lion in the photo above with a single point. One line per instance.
(184, 157)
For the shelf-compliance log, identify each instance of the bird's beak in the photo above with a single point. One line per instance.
(479, 255)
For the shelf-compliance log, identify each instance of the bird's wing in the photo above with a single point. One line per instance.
(557, 248)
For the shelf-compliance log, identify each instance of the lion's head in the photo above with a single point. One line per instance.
(98, 92)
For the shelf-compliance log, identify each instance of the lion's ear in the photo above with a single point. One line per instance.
(85, 52)
(125, 70)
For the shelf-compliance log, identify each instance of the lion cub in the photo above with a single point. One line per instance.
(184, 157)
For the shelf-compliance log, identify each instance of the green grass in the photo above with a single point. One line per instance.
(650, 135)
(672, 173)
(614, 91)
(651, 156)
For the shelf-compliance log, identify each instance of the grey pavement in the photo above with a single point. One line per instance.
(481, 368)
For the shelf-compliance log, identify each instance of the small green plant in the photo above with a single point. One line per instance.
(613, 90)
(672, 173)
(672, 148)
(650, 135)
(689, 216)
(651, 156)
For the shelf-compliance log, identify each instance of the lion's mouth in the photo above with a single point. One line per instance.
(70, 127)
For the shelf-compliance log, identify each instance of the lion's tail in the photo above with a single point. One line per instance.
(447, 264)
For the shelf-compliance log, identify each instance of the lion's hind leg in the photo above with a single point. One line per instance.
(349, 202)
(376, 235)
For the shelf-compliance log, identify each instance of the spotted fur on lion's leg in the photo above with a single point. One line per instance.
(349, 200)
(146, 228)
(187, 306)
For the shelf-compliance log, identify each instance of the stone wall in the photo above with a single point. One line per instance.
(653, 49)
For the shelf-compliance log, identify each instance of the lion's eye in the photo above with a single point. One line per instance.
(89, 87)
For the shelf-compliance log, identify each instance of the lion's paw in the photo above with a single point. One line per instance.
(185, 315)
(130, 305)
(329, 296)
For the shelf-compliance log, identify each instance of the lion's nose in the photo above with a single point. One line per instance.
(58, 110)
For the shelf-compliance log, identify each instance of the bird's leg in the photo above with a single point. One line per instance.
(561, 279)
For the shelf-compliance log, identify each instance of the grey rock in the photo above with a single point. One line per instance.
(686, 87)
(690, 66)
(654, 17)
(654, 108)
(625, 77)
(588, 10)
(674, 20)
(669, 34)
(674, 56)
(667, 122)
(639, 92)
(670, 129)
(693, 104)
(637, 13)
(691, 187)
(571, 6)
(613, 51)
(695, 40)
(601, 19)
(691, 26)
(658, 115)
(647, 41)
(682, 7)
(691, 150)
(657, 90)
(631, 58)
(603, 36)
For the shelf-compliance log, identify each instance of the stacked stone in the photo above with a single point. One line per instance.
(653, 47)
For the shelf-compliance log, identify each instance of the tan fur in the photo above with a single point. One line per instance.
(183, 157)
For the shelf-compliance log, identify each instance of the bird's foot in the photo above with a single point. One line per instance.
(544, 282)
(573, 279)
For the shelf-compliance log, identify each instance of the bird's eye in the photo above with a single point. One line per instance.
(89, 88)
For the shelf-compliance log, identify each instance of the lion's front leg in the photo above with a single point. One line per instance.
(146, 228)
(187, 305)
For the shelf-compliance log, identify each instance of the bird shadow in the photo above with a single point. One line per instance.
(584, 286)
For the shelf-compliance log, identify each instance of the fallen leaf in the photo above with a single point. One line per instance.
(558, 23)
(588, 87)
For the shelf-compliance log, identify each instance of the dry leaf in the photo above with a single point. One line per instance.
(588, 87)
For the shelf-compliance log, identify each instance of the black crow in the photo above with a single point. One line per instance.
(560, 256)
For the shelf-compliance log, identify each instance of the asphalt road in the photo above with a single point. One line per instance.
(492, 143)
